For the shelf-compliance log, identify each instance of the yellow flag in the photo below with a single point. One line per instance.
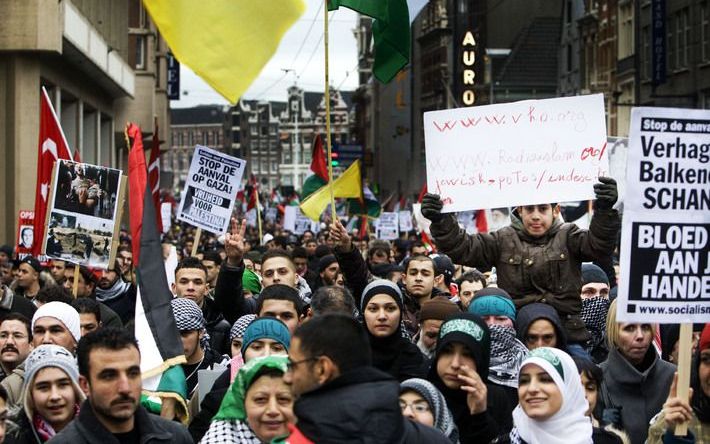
(349, 184)
(226, 42)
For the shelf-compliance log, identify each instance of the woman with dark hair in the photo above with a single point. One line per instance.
(677, 410)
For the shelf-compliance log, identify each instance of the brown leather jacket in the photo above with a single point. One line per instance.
(544, 269)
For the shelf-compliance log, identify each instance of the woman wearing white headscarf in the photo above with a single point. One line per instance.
(552, 405)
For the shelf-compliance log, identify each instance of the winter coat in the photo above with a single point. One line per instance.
(359, 406)
(13, 385)
(543, 269)
(698, 432)
(639, 394)
(12, 303)
(153, 429)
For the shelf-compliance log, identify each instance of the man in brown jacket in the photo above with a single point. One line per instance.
(538, 257)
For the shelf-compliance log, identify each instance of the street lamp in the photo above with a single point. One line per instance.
(492, 53)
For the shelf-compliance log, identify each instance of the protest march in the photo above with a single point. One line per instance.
(546, 280)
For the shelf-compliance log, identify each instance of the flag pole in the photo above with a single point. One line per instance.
(258, 214)
(326, 99)
(75, 284)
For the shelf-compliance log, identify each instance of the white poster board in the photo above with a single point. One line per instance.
(405, 221)
(665, 237)
(270, 214)
(388, 226)
(166, 209)
(290, 213)
(302, 223)
(512, 154)
(211, 189)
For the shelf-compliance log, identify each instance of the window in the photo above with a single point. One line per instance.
(646, 53)
(180, 139)
(206, 138)
(705, 31)
(626, 30)
(569, 58)
(190, 141)
(274, 166)
(682, 37)
(140, 51)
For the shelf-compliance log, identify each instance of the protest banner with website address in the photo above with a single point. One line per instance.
(665, 238)
(211, 189)
(511, 154)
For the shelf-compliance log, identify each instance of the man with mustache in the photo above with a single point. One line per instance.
(110, 375)
(15, 342)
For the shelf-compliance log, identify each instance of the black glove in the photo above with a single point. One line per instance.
(431, 207)
(605, 191)
(612, 416)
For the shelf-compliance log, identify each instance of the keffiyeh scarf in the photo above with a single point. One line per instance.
(222, 431)
(188, 316)
(594, 311)
(507, 354)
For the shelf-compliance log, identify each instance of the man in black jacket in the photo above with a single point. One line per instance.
(110, 375)
(341, 397)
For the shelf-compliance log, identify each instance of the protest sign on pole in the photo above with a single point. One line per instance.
(211, 189)
(405, 221)
(511, 154)
(84, 205)
(388, 226)
(25, 233)
(665, 235)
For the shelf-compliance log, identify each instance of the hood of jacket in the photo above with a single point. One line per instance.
(537, 310)
(359, 406)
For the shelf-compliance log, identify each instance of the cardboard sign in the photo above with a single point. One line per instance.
(388, 226)
(211, 189)
(512, 154)
(25, 233)
(82, 213)
(405, 221)
(296, 222)
(665, 237)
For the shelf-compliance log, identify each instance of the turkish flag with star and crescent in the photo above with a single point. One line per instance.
(52, 146)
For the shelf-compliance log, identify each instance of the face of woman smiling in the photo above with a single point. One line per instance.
(539, 396)
(269, 407)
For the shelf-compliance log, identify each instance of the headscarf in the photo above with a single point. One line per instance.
(700, 401)
(188, 316)
(570, 420)
(251, 282)
(239, 327)
(507, 355)
(443, 419)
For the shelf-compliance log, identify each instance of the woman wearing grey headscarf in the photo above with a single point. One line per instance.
(421, 402)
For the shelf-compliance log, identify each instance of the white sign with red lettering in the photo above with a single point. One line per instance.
(511, 154)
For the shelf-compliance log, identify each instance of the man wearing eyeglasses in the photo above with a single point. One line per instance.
(335, 369)
(15, 342)
(538, 257)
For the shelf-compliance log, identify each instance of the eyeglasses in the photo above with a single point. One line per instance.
(291, 364)
(416, 406)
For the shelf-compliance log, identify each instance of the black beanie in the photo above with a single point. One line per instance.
(593, 274)
(325, 262)
(469, 330)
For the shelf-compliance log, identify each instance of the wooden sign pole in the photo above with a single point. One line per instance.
(75, 284)
(685, 346)
(117, 223)
(196, 242)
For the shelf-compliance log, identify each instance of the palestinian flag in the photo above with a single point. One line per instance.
(155, 329)
(319, 168)
(368, 205)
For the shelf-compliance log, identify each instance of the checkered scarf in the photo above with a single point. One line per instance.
(507, 353)
(594, 311)
(222, 431)
(188, 316)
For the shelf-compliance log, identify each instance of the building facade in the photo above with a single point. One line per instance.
(86, 55)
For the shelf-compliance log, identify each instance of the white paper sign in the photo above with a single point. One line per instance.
(405, 221)
(166, 209)
(290, 213)
(302, 223)
(665, 237)
(210, 189)
(512, 154)
(388, 226)
(271, 214)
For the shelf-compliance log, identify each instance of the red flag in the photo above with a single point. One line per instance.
(422, 193)
(137, 182)
(52, 146)
(252, 194)
(154, 176)
(77, 155)
(318, 164)
(481, 221)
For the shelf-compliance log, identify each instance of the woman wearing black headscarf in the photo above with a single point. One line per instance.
(392, 352)
(482, 411)
(676, 410)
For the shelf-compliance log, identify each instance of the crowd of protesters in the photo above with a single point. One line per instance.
(326, 337)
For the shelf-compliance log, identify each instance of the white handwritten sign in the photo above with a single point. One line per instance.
(388, 226)
(405, 221)
(511, 154)
(210, 189)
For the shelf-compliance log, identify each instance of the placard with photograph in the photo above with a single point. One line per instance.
(82, 213)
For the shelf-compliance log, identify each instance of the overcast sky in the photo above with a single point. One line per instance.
(272, 82)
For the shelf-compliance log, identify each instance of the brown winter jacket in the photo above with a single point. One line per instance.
(545, 269)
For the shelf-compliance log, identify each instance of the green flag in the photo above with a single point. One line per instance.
(390, 31)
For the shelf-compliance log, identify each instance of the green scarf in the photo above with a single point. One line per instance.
(232, 407)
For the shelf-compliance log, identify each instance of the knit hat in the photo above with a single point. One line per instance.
(239, 327)
(232, 407)
(492, 301)
(381, 286)
(325, 262)
(443, 419)
(63, 312)
(444, 265)
(49, 355)
(32, 262)
(266, 328)
(251, 282)
(593, 274)
(704, 338)
(469, 330)
(439, 307)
